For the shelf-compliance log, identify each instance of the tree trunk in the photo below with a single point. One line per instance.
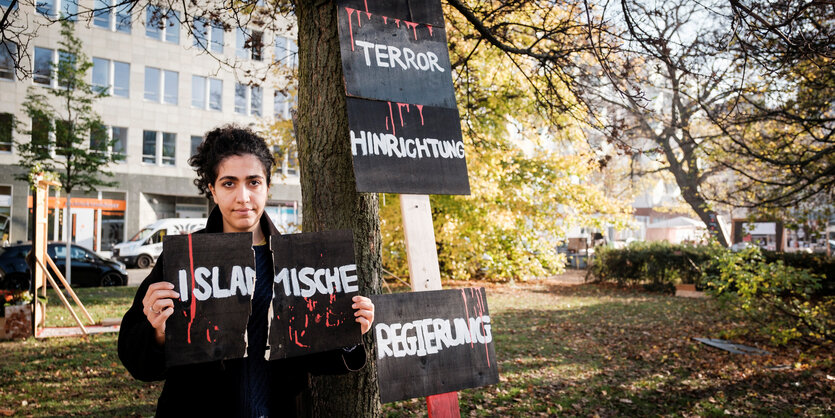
(700, 206)
(68, 239)
(329, 197)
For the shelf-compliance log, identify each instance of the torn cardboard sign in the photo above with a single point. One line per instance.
(214, 275)
(315, 279)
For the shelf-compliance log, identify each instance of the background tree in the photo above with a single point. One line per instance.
(67, 136)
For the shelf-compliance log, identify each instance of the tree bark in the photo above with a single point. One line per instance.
(329, 197)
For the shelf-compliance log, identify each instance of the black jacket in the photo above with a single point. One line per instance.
(211, 388)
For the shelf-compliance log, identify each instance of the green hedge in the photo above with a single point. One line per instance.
(658, 265)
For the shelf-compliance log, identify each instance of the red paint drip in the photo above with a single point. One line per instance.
(193, 307)
(400, 109)
(467, 316)
(350, 26)
(391, 115)
(318, 318)
(368, 15)
(208, 338)
(297, 340)
(420, 109)
(385, 20)
(430, 29)
(366, 5)
(311, 304)
(397, 21)
(305, 324)
(412, 25)
(480, 300)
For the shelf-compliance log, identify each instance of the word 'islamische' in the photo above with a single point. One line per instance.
(429, 336)
(308, 281)
(390, 145)
(242, 282)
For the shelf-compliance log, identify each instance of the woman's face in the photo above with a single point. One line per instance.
(240, 192)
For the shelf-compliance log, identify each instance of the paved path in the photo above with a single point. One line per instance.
(136, 276)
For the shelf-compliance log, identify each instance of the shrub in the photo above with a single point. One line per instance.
(786, 302)
(657, 265)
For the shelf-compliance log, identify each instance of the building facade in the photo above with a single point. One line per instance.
(166, 88)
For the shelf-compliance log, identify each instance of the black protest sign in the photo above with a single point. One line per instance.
(214, 275)
(433, 342)
(315, 279)
(395, 51)
(402, 148)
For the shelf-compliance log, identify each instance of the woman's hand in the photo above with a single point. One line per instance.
(364, 312)
(158, 305)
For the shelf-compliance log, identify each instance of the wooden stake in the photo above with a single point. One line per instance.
(62, 297)
(69, 289)
(425, 275)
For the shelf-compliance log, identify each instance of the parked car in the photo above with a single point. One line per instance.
(88, 268)
(146, 246)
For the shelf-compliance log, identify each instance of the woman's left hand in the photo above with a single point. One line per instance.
(364, 312)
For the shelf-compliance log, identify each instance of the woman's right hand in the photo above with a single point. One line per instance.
(158, 305)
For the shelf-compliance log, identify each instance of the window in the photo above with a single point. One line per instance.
(293, 162)
(112, 15)
(119, 140)
(50, 8)
(196, 140)
(8, 52)
(162, 25)
(200, 86)
(248, 100)
(111, 77)
(281, 105)
(41, 129)
(286, 51)
(99, 138)
(6, 129)
(249, 45)
(159, 147)
(208, 36)
(161, 85)
(66, 64)
(63, 136)
(42, 73)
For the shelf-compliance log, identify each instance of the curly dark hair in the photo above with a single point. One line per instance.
(223, 142)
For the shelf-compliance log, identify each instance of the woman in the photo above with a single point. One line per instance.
(233, 166)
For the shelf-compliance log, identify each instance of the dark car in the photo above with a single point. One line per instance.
(88, 268)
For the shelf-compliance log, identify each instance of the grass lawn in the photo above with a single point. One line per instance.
(563, 350)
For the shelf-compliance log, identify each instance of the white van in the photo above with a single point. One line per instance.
(146, 246)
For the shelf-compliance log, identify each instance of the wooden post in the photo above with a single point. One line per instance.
(425, 275)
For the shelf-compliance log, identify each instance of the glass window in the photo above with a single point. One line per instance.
(169, 148)
(66, 65)
(240, 98)
(121, 79)
(171, 86)
(98, 138)
(215, 94)
(200, 32)
(195, 142)
(286, 51)
(152, 84)
(123, 20)
(42, 74)
(198, 91)
(256, 45)
(101, 74)
(6, 129)
(153, 23)
(8, 51)
(217, 38)
(120, 140)
(63, 135)
(255, 101)
(69, 9)
(45, 7)
(280, 105)
(102, 13)
(172, 27)
(149, 147)
(40, 133)
(240, 44)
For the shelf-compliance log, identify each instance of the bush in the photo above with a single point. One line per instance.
(657, 265)
(786, 302)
